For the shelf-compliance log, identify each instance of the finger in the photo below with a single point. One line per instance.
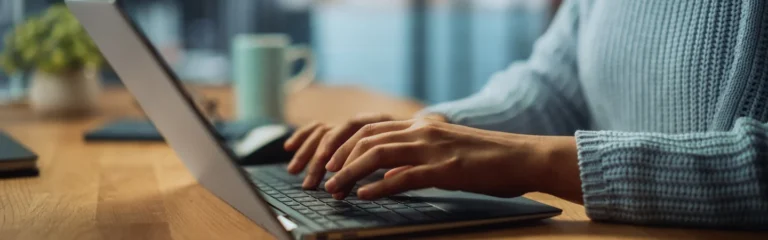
(342, 153)
(316, 168)
(367, 143)
(418, 177)
(298, 137)
(315, 173)
(370, 143)
(395, 171)
(304, 154)
(339, 135)
(382, 156)
(342, 194)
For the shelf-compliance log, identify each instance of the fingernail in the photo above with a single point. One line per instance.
(329, 166)
(338, 196)
(309, 182)
(322, 154)
(330, 185)
(290, 165)
(335, 166)
(363, 192)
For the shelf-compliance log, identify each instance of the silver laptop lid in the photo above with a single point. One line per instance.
(170, 108)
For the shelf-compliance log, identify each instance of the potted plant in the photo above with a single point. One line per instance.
(62, 59)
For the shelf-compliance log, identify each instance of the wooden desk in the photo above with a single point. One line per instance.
(142, 191)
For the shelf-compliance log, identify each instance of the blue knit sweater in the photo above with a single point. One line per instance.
(668, 101)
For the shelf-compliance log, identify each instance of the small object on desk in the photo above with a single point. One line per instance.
(262, 145)
(261, 66)
(15, 159)
(144, 130)
(251, 142)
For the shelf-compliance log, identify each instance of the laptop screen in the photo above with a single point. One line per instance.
(171, 109)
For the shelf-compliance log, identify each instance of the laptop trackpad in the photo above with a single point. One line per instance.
(477, 204)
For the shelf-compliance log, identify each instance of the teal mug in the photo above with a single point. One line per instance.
(261, 75)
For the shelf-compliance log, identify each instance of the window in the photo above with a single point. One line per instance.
(9, 14)
(414, 48)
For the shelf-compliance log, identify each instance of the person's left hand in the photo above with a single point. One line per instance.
(427, 153)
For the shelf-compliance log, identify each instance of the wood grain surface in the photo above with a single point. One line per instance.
(137, 190)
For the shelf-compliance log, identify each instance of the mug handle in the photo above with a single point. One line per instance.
(306, 76)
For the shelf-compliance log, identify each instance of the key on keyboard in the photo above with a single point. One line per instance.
(319, 205)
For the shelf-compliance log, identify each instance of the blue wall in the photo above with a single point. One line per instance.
(372, 46)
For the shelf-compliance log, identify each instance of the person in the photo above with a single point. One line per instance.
(647, 112)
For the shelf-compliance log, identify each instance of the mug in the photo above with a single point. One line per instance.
(262, 65)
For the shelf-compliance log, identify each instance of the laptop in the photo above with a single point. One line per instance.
(267, 194)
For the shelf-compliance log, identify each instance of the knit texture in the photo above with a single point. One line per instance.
(668, 101)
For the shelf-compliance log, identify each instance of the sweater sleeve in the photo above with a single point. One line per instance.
(695, 179)
(539, 96)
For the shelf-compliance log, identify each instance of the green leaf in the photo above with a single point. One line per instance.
(79, 49)
(53, 42)
(29, 54)
(58, 57)
(8, 39)
(7, 63)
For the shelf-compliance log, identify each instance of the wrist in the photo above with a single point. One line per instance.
(435, 117)
(560, 174)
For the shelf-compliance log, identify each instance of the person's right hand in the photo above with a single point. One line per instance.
(315, 143)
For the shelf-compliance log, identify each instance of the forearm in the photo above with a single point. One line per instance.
(540, 96)
(520, 100)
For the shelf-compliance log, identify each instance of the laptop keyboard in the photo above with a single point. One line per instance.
(319, 206)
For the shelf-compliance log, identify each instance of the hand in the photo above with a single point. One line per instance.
(426, 153)
(315, 143)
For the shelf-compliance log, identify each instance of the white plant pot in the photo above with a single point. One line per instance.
(71, 94)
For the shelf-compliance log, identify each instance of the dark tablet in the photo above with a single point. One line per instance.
(144, 130)
(15, 159)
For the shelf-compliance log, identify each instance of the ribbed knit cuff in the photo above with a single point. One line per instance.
(593, 185)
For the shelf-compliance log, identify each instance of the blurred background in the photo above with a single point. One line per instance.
(429, 50)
